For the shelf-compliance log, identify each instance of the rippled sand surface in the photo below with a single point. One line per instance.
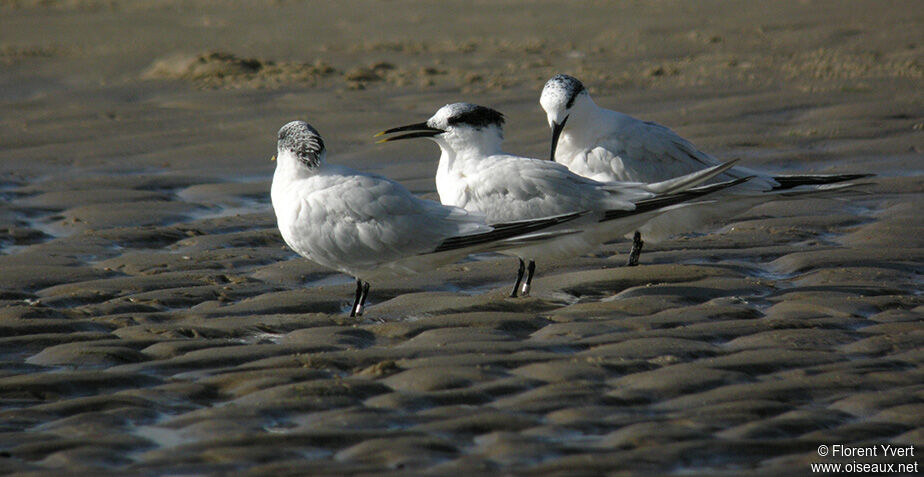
(153, 322)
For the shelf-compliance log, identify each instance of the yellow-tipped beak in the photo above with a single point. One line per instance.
(418, 130)
(273, 158)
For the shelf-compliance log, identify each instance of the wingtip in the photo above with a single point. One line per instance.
(728, 164)
(792, 181)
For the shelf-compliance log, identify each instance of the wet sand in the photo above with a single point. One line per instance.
(153, 322)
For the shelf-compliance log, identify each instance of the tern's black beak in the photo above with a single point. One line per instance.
(556, 133)
(418, 130)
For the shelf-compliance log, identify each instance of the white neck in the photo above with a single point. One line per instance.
(289, 171)
(287, 165)
(461, 149)
(584, 117)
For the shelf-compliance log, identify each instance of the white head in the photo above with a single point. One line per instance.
(300, 145)
(561, 95)
(458, 126)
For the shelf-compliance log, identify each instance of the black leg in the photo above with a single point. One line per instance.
(636, 250)
(530, 269)
(359, 295)
(362, 300)
(520, 272)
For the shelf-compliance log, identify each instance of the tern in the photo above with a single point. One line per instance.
(608, 145)
(370, 227)
(475, 174)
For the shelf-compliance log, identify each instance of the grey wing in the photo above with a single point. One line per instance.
(545, 188)
(507, 188)
(371, 219)
(649, 152)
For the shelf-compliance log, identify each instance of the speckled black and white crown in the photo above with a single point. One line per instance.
(466, 114)
(563, 89)
(303, 141)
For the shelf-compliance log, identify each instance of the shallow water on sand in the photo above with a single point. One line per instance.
(204, 336)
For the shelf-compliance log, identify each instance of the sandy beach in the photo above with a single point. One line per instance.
(153, 322)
